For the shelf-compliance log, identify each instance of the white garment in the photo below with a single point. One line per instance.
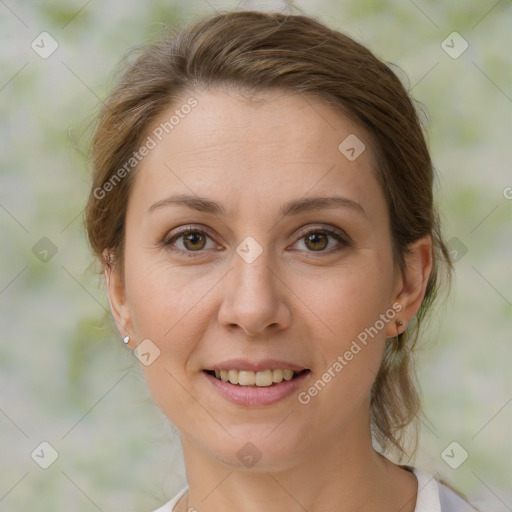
(432, 496)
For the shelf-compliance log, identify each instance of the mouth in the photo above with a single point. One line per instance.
(263, 378)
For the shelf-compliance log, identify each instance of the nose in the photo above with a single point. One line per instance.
(255, 298)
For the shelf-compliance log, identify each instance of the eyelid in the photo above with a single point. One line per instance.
(181, 230)
(325, 228)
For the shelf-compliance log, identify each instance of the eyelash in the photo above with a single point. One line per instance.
(344, 241)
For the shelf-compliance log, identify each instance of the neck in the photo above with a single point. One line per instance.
(347, 475)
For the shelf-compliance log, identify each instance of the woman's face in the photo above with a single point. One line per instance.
(269, 278)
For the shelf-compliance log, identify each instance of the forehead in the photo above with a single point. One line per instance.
(277, 144)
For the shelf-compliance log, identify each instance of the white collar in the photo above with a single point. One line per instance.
(428, 492)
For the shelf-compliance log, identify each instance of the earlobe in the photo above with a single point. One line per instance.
(414, 280)
(117, 297)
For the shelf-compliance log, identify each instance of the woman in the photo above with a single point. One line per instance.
(262, 203)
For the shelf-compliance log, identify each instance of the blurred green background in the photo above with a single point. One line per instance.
(65, 377)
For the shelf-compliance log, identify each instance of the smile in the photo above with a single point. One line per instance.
(263, 378)
(256, 388)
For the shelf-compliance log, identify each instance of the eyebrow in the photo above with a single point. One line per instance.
(295, 207)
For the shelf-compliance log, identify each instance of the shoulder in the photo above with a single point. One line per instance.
(168, 507)
(434, 496)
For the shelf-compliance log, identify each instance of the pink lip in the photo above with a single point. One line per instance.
(265, 364)
(253, 395)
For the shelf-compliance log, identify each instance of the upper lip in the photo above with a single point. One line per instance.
(256, 366)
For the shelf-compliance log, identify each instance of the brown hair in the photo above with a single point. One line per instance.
(254, 52)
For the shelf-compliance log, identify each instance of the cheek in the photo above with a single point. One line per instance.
(350, 362)
(354, 305)
(172, 306)
(165, 298)
(166, 304)
(351, 298)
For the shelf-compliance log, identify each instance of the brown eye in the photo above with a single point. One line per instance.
(316, 241)
(194, 241)
(190, 241)
(323, 241)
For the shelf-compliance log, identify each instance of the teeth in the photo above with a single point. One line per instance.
(263, 378)
(245, 378)
(233, 376)
(277, 375)
(287, 374)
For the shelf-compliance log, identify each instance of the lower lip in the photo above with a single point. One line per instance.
(256, 395)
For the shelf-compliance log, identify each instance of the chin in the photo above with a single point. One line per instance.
(260, 449)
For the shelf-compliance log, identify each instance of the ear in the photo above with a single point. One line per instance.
(117, 300)
(412, 283)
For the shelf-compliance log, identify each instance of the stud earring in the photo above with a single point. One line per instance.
(126, 339)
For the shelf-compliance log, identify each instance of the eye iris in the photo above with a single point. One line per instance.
(319, 241)
(194, 238)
